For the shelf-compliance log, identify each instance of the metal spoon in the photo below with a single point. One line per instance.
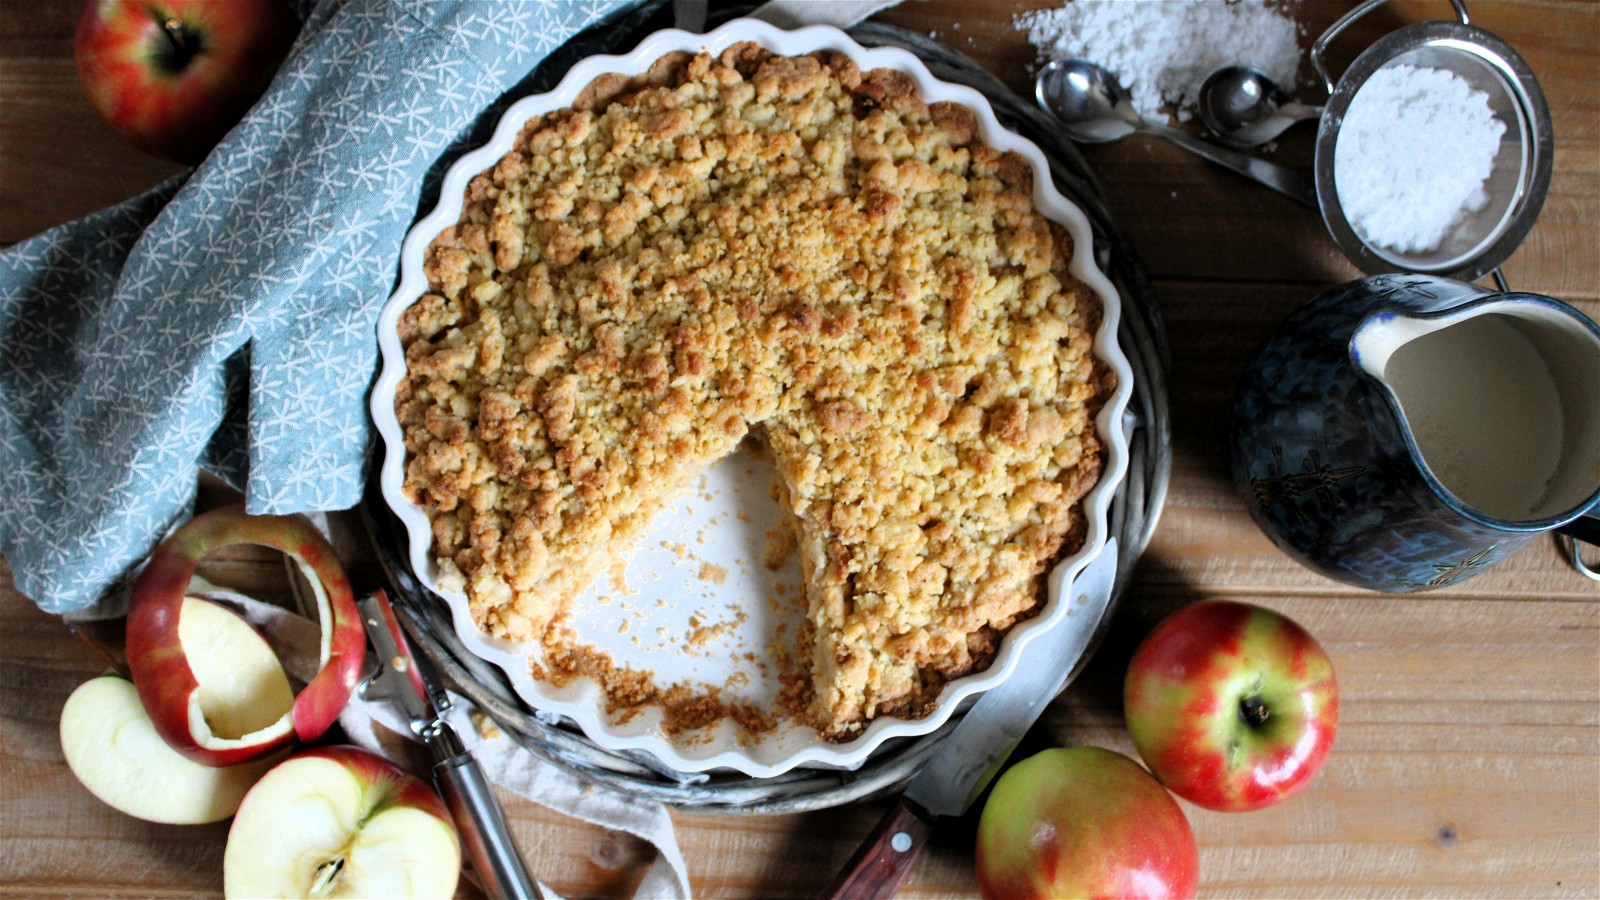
(1094, 108)
(1244, 108)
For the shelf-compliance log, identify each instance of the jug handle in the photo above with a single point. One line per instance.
(1585, 528)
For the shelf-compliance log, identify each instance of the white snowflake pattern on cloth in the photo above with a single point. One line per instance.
(132, 341)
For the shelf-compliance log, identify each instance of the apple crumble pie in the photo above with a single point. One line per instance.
(785, 245)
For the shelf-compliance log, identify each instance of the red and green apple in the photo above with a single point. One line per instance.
(175, 75)
(1232, 706)
(1084, 822)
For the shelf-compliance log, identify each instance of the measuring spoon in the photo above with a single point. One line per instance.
(1244, 108)
(1094, 108)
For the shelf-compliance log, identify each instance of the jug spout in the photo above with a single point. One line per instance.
(1499, 400)
(1382, 333)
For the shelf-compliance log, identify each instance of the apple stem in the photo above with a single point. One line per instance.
(181, 44)
(1254, 712)
(322, 885)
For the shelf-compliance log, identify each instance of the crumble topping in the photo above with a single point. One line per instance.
(781, 244)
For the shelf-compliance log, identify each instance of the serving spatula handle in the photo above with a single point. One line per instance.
(885, 856)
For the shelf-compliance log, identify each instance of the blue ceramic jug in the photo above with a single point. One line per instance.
(1404, 432)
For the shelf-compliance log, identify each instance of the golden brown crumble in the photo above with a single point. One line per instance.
(686, 708)
(703, 631)
(786, 244)
(711, 572)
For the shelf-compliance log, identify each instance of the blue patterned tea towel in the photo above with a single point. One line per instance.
(225, 318)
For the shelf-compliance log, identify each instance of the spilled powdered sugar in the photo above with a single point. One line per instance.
(1413, 154)
(1162, 50)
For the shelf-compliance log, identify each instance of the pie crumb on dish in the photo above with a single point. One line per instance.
(785, 247)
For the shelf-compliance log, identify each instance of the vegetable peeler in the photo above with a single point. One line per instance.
(407, 681)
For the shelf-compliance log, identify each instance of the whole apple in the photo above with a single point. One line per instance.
(1084, 822)
(175, 75)
(341, 822)
(1232, 706)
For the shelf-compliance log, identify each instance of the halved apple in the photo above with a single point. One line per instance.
(341, 822)
(112, 746)
(163, 663)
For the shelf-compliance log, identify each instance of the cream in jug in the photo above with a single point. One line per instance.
(1484, 410)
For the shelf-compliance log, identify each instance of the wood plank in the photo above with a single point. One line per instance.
(1462, 764)
(1468, 759)
(47, 119)
(1480, 715)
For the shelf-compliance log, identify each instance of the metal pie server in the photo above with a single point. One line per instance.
(409, 682)
(958, 772)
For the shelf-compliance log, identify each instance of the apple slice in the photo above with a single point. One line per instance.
(112, 748)
(160, 660)
(242, 687)
(341, 822)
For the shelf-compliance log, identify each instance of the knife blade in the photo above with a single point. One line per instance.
(951, 779)
(408, 681)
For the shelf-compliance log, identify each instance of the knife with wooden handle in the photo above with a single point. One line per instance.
(957, 773)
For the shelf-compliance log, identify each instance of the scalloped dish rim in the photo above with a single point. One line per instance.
(588, 710)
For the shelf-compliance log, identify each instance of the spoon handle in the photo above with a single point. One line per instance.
(1300, 111)
(1296, 185)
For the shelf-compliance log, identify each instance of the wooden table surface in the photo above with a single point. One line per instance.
(1468, 754)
